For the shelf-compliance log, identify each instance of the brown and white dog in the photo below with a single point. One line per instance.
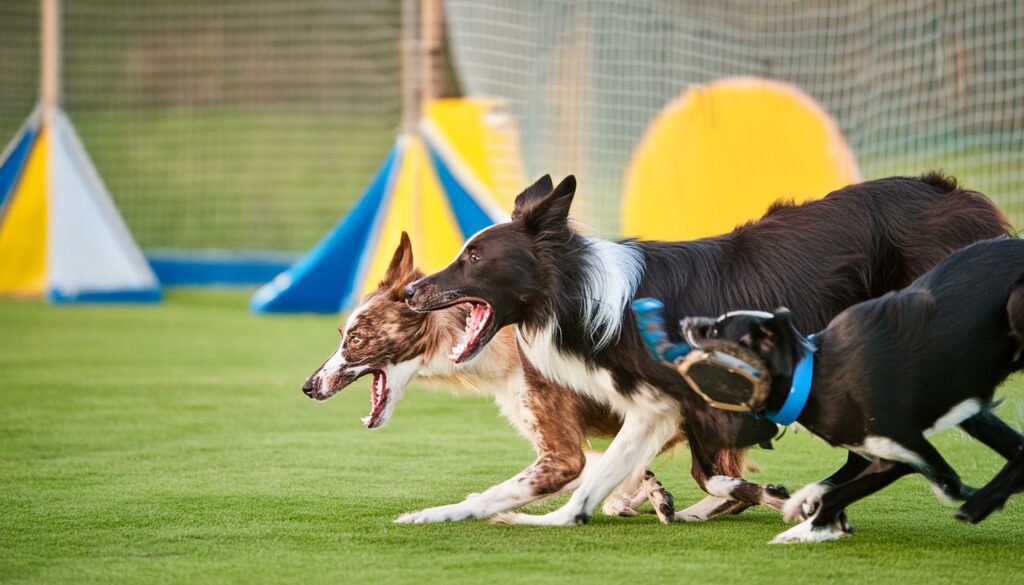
(384, 338)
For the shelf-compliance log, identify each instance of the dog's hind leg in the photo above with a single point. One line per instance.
(919, 454)
(994, 433)
(719, 472)
(1009, 481)
(829, 522)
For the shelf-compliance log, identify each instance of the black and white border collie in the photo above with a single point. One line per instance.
(891, 371)
(569, 295)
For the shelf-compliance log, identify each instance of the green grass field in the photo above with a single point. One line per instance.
(172, 444)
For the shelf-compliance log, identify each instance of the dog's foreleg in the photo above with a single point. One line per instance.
(536, 482)
(1009, 481)
(829, 522)
(642, 436)
(805, 501)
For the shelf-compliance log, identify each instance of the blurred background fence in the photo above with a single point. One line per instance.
(252, 126)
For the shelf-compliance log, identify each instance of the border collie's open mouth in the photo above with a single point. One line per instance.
(479, 324)
(379, 395)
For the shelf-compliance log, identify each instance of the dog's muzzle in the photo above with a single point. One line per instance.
(321, 387)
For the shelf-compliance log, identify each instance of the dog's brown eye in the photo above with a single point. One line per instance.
(473, 258)
(355, 340)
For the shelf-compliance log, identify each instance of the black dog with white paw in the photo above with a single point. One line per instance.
(888, 372)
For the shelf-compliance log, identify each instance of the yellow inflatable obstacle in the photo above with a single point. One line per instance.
(720, 154)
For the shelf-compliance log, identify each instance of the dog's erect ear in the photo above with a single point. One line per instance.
(550, 210)
(402, 268)
(532, 195)
(776, 341)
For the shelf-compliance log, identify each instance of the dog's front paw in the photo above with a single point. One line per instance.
(662, 500)
(618, 506)
(806, 532)
(980, 505)
(449, 513)
(704, 510)
(556, 518)
(804, 503)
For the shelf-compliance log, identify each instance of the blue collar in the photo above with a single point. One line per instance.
(799, 391)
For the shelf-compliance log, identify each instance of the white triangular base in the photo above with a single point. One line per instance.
(91, 253)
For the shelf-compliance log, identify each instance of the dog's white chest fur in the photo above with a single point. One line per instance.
(592, 381)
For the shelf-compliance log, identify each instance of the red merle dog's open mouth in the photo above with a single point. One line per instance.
(479, 330)
(379, 395)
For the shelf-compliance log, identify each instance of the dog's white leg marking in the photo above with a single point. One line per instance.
(804, 502)
(807, 532)
(955, 416)
(512, 493)
(886, 448)
(722, 485)
(642, 436)
(703, 510)
(940, 494)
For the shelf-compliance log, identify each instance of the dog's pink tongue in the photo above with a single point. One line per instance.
(378, 393)
(476, 322)
(478, 317)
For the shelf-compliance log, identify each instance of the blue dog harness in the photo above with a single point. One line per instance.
(799, 390)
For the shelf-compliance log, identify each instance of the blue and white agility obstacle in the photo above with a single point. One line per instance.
(437, 185)
(61, 237)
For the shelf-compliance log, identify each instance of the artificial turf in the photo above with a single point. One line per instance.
(172, 444)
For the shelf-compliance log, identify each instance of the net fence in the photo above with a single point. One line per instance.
(254, 125)
(238, 124)
(914, 84)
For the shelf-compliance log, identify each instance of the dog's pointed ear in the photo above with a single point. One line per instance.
(553, 209)
(532, 194)
(776, 339)
(402, 267)
(765, 332)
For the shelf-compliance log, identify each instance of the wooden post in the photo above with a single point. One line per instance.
(432, 49)
(410, 66)
(50, 58)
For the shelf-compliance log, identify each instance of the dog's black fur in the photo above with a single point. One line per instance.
(993, 496)
(818, 258)
(888, 369)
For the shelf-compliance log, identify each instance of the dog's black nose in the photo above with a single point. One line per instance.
(410, 291)
(309, 388)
